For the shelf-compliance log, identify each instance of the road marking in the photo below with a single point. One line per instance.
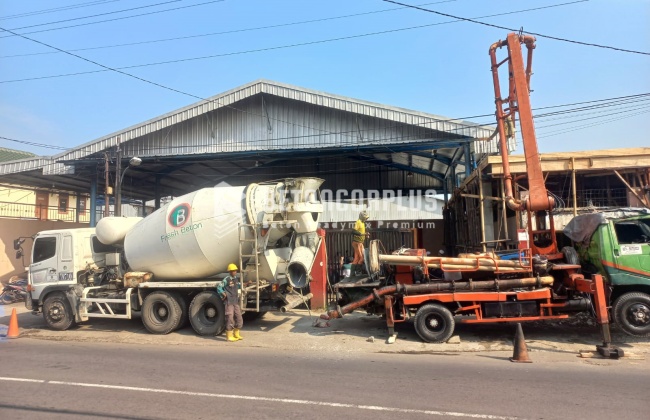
(265, 399)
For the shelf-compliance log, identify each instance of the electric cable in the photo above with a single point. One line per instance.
(589, 44)
(95, 15)
(364, 131)
(280, 25)
(114, 19)
(59, 9)
(257, 50)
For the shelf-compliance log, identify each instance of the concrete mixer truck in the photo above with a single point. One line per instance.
(167, 264)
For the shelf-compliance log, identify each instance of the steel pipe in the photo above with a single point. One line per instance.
(446, 286)
(474, 262)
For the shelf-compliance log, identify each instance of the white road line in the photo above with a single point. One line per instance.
(22, 380)
(265, 399)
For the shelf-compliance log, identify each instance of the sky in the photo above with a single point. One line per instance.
(365, 49)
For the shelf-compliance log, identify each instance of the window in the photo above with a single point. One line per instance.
(82, 204)
(63, 203)
(632, 233)
(66, 249)
(44, 248)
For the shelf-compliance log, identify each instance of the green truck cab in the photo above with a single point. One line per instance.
(617, 245)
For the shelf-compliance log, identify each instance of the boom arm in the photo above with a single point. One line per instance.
(518, 101)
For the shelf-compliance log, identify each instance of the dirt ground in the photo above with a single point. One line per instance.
(356, 332)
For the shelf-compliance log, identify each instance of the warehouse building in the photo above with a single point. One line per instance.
(368, 154)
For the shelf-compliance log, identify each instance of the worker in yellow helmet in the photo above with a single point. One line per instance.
(229, 289)
(358, 238)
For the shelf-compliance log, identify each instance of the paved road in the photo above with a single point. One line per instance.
(45, 379)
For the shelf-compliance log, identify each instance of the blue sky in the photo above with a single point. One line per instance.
(442, 69)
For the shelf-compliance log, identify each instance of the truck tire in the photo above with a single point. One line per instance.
(570, 255)
(632, 313)
(182, 302)
(57, 312)
(207, 314)
(434, 323)
(161, 312)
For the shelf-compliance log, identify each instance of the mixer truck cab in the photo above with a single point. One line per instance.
(59, 258)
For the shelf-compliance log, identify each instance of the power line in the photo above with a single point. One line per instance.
(58, 9)
(142, 79)
(637, 108)
(95, 15)
(517, 30)
(555, 133)
(30, 143)
(114, 19)
(302, 44)
(595, 100)
(617, 101)
(280, 25)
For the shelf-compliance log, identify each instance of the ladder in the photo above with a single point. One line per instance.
(252, 259)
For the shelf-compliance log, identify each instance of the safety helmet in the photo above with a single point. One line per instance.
(363, 216)
(232, 267)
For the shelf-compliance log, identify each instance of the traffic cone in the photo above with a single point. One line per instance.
(520, 354)
(13, 332)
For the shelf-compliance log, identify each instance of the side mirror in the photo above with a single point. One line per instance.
(17, 243)
(19, 254)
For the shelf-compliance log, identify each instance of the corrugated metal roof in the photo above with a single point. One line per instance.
(414, 119)
(224, 136)
(12, 154)
(24, 165)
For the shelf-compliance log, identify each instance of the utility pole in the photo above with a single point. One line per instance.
(118, 181)
(107, 193)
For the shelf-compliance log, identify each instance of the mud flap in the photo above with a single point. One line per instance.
(74, 301)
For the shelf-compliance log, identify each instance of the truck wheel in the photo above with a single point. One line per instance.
(434, 323)
(161, 312)
(252, 316)
(57, 312)
(632, 314)
(207, 314)
(570, 255)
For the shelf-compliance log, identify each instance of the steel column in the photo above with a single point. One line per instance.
(93, 201)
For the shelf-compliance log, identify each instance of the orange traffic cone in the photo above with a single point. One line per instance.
(520, 354)
(13, 332)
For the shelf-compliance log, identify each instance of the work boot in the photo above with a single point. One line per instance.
(230, 337)
(237, 335)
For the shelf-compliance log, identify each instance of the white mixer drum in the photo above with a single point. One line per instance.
(193, 237)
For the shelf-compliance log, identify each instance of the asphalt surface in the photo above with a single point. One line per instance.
(45, 379)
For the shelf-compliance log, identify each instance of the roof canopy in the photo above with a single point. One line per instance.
(263, 124)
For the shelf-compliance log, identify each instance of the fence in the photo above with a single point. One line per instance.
(339, 244)
(38, 212)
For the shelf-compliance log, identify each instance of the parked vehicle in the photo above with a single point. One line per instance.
(617, 245)
(167, 264)
(14, 291)
(538, 281)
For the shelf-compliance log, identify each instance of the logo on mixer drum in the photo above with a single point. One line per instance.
(179, 215)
